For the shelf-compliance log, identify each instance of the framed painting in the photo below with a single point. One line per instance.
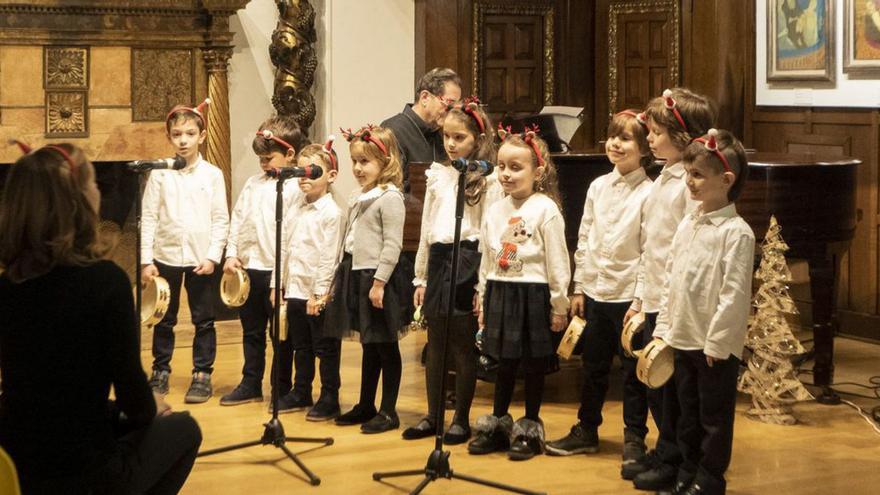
(861, 39)
(800, 40)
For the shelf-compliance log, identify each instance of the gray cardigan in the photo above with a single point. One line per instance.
(378, 233)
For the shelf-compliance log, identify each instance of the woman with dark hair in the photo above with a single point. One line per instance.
(67, 333)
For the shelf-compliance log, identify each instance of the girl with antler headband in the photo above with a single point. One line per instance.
(372, 290)
(523, 284)
(184, 228)
(68, 333)
(674, 119)
(704, 310)
(610, 244)
(467, 134)
(309, 255)
(251, 247)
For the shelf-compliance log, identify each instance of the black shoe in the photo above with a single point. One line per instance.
(579, 440)
(293, 401)
(694, 489)
(679, 488)
(457, 434)
(381, 423)
(358, 414)
(159, 382)
(634, 457)
(200, 389)
(492, 435)
(523, 449)
(324, 410)
(528, 439)
(424, 429)
(660, 477)
(241, 395)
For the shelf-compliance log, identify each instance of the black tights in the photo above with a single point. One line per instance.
(461, 356)
(533, 369)
(381, 358)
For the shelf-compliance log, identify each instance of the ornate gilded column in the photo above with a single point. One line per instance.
(293, 53)
(219, 151)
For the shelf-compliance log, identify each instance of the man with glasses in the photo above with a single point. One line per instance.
(418, 127)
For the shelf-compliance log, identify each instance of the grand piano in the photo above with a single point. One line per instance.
(812, 196)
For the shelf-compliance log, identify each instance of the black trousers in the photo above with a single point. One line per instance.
(200, 293)
(304, 343)
(601, 341)
(461, 356)
(255, 315)
(154, 460)
(663, 404)
(707, 396)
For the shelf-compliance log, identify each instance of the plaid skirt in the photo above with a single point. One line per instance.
(351, 314)
(516, 320)
(440, 275)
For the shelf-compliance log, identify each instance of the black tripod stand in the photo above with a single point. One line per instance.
(438, 461)
(274, 431)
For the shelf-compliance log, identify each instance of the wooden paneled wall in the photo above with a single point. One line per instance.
(715, 57)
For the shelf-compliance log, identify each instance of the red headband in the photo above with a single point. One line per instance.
(364, 134)
(528, 136)
(670, 105)
(198, 110)
(25, 149)
(640, 117)
(470, 105)
(711, 144)
(328, 148)
(269, 136)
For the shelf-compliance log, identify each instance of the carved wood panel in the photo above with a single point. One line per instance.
(160, 79)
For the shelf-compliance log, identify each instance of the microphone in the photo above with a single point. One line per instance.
(465, 165)
(308, 172)
(176, 163)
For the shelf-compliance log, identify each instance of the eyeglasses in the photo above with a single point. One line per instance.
(445, 101)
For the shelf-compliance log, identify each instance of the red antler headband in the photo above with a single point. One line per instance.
(269, 136)
(365, 135)
(198, 110)
(471, 103)
(711, 144)
(328, 148)
(640, 117)
(528, 136)
(25, 149)
(670, 105)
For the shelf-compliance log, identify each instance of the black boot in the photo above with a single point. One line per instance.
(528, 439)
(493, 434)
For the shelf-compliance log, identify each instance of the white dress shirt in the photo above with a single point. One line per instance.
(185, 218)
(610, 238)
(668, 202)
(252, 227)
(438, 213)
(309, 251)
(529, 236)
(705, 299)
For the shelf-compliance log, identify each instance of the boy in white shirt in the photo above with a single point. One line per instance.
(251, 246)
(704, 309)
(184, 225)
(309, 253)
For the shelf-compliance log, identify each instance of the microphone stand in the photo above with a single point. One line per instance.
(438, 461)
(273, 434)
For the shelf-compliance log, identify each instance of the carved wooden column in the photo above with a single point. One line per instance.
(219, 151)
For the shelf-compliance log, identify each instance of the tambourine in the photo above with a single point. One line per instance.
(655, 362)
(634, 326)
(155, 297)
(571, 337)
(235, 287)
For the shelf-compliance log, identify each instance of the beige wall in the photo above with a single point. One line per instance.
(365, 73)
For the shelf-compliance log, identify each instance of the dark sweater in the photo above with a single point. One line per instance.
(65, 337)
(418, 142)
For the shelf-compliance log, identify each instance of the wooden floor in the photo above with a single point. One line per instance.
(832, 451)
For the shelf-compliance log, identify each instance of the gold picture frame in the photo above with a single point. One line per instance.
(800, 40)
(861, 39)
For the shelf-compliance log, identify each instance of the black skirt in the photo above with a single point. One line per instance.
(516, 320)
(440, 275)
(351, 314)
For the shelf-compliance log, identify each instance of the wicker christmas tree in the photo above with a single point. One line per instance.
(770, 378)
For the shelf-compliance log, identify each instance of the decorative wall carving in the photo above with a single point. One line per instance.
(219, 150)
(66, 67)
(293, 54)
(66, 114)
(544, 10)
(160, 79)
(618, 13)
